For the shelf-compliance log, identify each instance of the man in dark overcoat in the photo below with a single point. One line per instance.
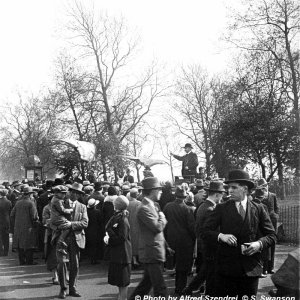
(5, 210)
(270, 201)
(206, 272)
(242, 229)
(152, 252)
(25, 219)
(75, 241)
(189, 162)
(180, 236)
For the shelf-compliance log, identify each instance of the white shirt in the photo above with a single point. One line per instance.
(243, 202)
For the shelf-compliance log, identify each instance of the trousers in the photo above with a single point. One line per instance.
(25, 256)
(74, 256)
(4, 241)
(152, 278)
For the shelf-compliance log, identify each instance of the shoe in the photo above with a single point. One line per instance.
(271, 271)
(62, 294)
(263, 275)
(74, 293)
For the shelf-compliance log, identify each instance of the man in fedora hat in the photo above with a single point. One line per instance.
(200, 194)
(189, 162)
(206, 272)
(24, 219)
(151, 222)
(180, 236)
(242, 230)
(76, 241)
(270, 201)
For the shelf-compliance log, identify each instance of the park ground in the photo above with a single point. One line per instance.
(34, 282)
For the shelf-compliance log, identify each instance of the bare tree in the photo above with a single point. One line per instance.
(118, 102)
(272, 26)
(29, 128)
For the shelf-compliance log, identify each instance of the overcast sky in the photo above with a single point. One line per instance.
(175, 32)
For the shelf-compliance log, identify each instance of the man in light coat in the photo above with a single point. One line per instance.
(75, 241)
(151, 223)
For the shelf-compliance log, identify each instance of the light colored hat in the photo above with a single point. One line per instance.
(121, 202)
(92, 202)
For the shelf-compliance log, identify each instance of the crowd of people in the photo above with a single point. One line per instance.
(226, 229)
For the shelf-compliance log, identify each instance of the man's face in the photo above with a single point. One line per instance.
(156, 194)
(187, 149)
(237, 192)
(265, 190)
(61, 195)
(74, 195)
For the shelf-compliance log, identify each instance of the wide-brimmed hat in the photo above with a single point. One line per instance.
(261, 183)
(77, 187)
(199, 183)
(92, 202)
(147, 168)
(151, 183)
(87, 182)
(181, 192)
(28, 190)
(60, 189)
(188, 145)
(240, 176)
(216, 186)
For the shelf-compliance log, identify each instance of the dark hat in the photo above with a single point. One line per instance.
(60, 189)
(216, 186)
(49, 183)
(261, 183)
(28, 190)
(199, 183)
(58, 181)
(16, 183)
(188, 145)
(180, 192)
(151, 183)
(240, 176)
(77, 187)
(147, 168)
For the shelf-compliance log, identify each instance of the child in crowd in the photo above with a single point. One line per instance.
(60, 218)
(119, 247)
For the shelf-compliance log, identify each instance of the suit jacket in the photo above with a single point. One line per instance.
(203, 214)
(271, 203)
(5, 209)
(256, 226)
(79, 223)
(189, 160)
(151, 237)
(180, 233)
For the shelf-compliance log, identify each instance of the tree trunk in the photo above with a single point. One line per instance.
(138, 173)
(104, 170)
(281, 181)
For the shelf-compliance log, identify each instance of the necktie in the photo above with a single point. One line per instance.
(242, 212)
